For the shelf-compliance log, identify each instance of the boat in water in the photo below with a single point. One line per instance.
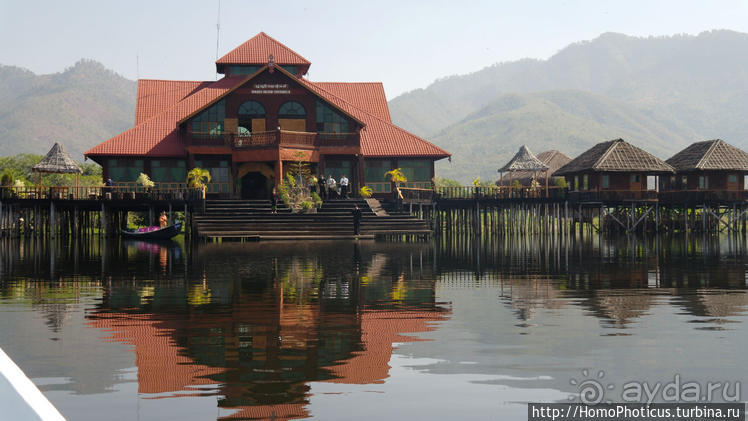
(153, 233)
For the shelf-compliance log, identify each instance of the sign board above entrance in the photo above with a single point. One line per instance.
(271, 88)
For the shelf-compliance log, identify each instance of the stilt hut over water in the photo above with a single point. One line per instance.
(711, 170)
(553, 159)
(526, 162)
(57, 161)
(613, 171)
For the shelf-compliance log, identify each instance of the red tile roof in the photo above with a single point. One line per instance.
(163, 104)
(368, 96)
(155, 96)
(257, 50)
(158, 135)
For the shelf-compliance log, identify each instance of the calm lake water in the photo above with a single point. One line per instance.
(369, 330)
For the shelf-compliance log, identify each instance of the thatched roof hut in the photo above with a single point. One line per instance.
(710, 155)
(57, 161)
(553, 159)
(615, 156)
(524, 160)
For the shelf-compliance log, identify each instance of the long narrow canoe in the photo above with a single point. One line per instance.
(156, 234)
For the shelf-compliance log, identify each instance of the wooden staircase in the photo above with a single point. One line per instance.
(253, 219)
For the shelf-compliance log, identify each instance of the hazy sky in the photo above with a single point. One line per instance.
(405, 44)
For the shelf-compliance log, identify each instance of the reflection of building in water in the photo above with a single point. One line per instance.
(619, 307)
(262, 344)
(527, 293)
(714, 303)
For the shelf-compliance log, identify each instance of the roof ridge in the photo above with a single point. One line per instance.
(168, 80)
(604, 156)
(708, 152)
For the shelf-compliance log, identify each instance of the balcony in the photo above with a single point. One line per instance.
(613, 196)
(704, 196)
(275, 138)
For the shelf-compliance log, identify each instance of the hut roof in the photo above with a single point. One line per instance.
(710, 155)
(57, 161)
(615, 156)
(524, 160)
(553, 159)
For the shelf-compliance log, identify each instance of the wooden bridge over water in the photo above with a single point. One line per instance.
(479, 210)
(465, 210)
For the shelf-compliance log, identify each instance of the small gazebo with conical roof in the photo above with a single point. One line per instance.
(57, 161)
(524, 161)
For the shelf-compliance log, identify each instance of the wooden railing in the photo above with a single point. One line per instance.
(412, 195)
(120, 191)
(274, 138)
(500, 192)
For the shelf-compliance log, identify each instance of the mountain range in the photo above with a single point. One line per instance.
(79, 107)
(660, 93)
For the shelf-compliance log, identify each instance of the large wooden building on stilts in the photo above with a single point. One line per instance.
(262, 115)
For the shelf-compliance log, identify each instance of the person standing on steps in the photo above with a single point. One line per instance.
(331, 186)
(322, 186)
(356, 220)
(344, 187)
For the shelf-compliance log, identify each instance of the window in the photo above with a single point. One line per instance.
(292, 116)
(294, 70)
(168, 170)
(684, 182)
(336, 169)
(330, 121)
(732, 178)
(416, 170)
(123, 170)
(219, 170)
(703, 182)
(652, 182)
(635, 178)
(606, 181)
(251, 109)
(243, 70)
(745, 182)
(585, 182)
(374, 170)
(211, 120)
(576, 182)
(251, 118)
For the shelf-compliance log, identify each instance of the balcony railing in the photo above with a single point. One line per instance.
(120, 191)
(703, 196)
(274, 138)
(500, 192)
(613, 195)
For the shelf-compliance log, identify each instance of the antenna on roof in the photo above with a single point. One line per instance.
(218, 31)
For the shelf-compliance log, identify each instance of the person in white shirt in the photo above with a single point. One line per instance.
(344, 187)
(331, 188)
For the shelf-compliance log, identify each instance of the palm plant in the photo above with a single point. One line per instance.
(198, 178)
(397, 176)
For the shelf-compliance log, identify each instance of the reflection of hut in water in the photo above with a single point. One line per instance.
(714, 303)
(553, 159)
(619, 307)
(527, 294)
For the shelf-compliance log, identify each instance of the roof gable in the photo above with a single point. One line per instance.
(710, 155)
(615, 156)
(57, 161)
(257, 51)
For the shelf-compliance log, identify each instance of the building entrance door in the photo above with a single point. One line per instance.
(255, 186)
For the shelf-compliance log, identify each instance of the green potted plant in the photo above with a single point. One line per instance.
(198, 178)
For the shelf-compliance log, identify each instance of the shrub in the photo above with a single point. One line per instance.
(306, 206)
(317, 200)
(145, 181)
